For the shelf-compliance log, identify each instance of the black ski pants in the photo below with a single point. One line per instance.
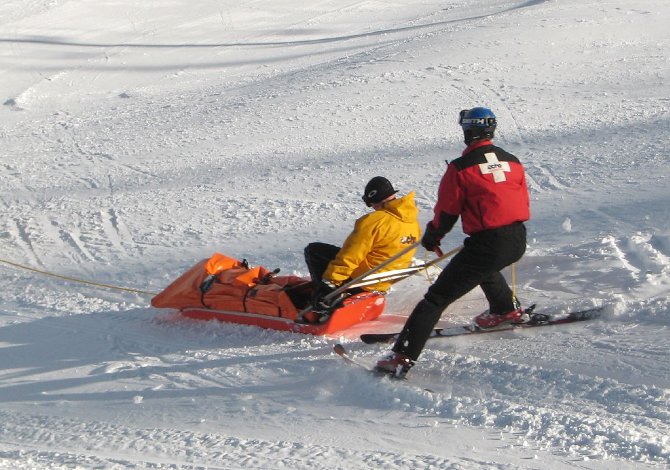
(479, 263)
(317, 257)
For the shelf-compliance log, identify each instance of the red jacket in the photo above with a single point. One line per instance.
(486, 187)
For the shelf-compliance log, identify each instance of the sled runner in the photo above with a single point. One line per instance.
(226, 289)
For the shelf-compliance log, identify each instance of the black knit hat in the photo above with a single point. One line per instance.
(377, 189)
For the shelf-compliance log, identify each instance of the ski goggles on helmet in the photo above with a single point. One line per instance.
(475, 121)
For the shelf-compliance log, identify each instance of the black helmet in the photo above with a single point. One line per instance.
(377, 189)
(477, 123)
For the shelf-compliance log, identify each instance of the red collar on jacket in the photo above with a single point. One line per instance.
(475, 145)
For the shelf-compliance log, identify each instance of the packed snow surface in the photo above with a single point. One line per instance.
(138, 138)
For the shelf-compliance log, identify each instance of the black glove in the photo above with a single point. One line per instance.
(431, 237)
(323, 290)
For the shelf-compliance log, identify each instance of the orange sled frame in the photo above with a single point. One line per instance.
(358, 308)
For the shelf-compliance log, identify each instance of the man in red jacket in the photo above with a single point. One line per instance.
(486, 188)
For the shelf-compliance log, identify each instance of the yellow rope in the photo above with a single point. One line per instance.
(80, 281)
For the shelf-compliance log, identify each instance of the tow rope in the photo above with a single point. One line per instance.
(78, 281)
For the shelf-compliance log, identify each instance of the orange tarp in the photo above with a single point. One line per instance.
(235, 288)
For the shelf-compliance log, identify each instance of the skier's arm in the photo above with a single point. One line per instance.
(447, 209)
(434, 233)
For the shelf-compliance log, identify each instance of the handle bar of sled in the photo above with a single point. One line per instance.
(399, 274)
(366, 276)
(350, 284)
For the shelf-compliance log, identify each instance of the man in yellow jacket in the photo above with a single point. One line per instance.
(376, 237)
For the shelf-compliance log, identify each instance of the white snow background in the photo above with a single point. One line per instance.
(137, 138)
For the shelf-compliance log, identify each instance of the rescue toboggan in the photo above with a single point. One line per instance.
(226, 289)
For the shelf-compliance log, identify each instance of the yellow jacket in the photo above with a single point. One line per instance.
(377, 236)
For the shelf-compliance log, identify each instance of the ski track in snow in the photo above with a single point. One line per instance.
(556, 416)
(134, 149)
(189, 450)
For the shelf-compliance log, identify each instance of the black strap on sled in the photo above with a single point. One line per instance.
(268, 276)
(205, 286)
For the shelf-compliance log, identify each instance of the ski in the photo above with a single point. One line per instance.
(342, 352)
(536, 319)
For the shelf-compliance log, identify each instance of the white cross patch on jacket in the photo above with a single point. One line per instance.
(495, 167)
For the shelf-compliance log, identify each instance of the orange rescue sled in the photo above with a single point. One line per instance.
(226, 289)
